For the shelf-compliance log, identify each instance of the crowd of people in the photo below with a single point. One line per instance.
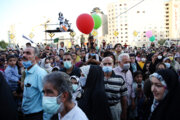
(89, 82)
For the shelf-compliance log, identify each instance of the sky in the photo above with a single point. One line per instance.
(29, 14)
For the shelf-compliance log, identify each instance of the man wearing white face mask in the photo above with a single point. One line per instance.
(116, 90)
(69, 68)
(57, 99)
(123, 70)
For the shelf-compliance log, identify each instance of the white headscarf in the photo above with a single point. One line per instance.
(85, 70)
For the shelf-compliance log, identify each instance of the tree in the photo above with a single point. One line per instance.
(3, 44)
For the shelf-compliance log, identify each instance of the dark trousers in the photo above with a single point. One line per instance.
(33, 116)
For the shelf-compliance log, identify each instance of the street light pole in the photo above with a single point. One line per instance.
(45, 26)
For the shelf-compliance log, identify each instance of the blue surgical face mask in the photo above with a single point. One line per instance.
(126, 66)
(75, 87)
(27, 64)
(67, 64)
(50, 105)
(92, 54)
(107, 69)
(168, 65)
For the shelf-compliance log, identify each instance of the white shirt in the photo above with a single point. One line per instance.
(75, 114)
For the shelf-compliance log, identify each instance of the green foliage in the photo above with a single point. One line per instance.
(161, 42)
(3, 44)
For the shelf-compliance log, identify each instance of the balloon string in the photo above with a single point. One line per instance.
(128, 9)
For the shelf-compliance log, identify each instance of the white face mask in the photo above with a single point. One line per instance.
(159, 57)
(143, 59)
(126, 66)
(168, 65)
(47, 65)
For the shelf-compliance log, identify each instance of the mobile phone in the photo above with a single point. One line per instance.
(139, 85)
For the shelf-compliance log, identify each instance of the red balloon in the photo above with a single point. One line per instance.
(85, 23)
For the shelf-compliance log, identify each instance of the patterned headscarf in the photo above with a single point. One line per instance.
(85, 70)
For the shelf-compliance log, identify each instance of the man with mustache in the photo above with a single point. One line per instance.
(32, 94)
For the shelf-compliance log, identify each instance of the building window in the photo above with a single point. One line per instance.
(120, 5)
(138, 12)
(126, 37)
(125, 28)
(125, 24)
(144, 36)
(143, 11)
(167, 23)
(167, 27)
(167, 4)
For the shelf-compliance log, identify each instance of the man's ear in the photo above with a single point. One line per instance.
(63, 97)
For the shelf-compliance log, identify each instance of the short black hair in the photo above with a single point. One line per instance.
(68, 53)
(132, 55)
(137, 73)
(117, 45)
(108, 54)
(28, 44)
(11, 56)
(90, 37)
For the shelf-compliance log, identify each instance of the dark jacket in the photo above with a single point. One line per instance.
(94, 101)
(8, 109)
(169, 107)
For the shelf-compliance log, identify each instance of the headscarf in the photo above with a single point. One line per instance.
(8, 106)
(169, 107)
(94, 101)
(85, 70)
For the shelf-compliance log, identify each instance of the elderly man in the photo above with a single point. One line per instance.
(57, 98)
(32, 94)
(116, 90)
(123, 70)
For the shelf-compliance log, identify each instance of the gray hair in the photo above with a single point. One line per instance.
(107, 58)
(60, 81)
(36, 51)
(122, 55)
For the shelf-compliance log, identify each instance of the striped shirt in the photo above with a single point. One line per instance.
(115, 88)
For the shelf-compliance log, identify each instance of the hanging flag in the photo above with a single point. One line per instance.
(27, 38)
(56, 40)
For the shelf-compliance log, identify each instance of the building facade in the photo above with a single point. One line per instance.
(129, 16)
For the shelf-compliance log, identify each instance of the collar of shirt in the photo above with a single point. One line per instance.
(32, 70)
(69, 115)
(113, 74)
(121, 70)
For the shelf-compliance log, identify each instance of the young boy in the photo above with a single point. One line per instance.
(11, 73)
(138, 86)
